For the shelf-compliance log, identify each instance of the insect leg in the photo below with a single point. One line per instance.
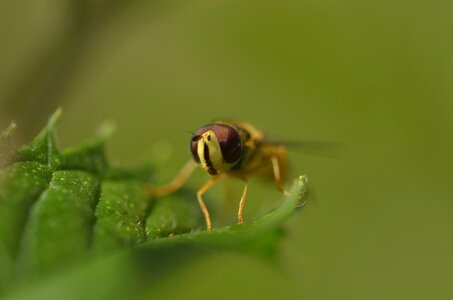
(176, 183)
(242, 202)
(200, 193)
(277, 175)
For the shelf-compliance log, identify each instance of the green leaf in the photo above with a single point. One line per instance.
(59, 224)
(119, 215)
(61, 212)
(174, 214)
(43, 148)
(21, 184)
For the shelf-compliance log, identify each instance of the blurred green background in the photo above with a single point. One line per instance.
(373, 75)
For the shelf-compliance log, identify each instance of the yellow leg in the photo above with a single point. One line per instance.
(242, 202)
(277, 175)
(200, 193)
(176, 183)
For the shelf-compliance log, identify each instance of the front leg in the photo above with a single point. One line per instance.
(176, 183)
(200, 193)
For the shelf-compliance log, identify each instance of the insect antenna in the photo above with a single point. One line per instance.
(195, 137)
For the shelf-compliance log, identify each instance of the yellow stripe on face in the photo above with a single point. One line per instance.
(200, 151)
(213, 158)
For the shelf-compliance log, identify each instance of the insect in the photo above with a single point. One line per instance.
(234, 149)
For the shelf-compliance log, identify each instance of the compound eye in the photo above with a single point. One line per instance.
(196, 138)
(193, 147)
(229, 141)
(228, 138)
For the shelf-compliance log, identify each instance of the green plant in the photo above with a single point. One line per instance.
(61, 212)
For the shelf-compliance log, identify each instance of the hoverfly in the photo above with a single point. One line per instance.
(235, 149)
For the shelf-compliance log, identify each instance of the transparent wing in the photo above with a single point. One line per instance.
(311, 147)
